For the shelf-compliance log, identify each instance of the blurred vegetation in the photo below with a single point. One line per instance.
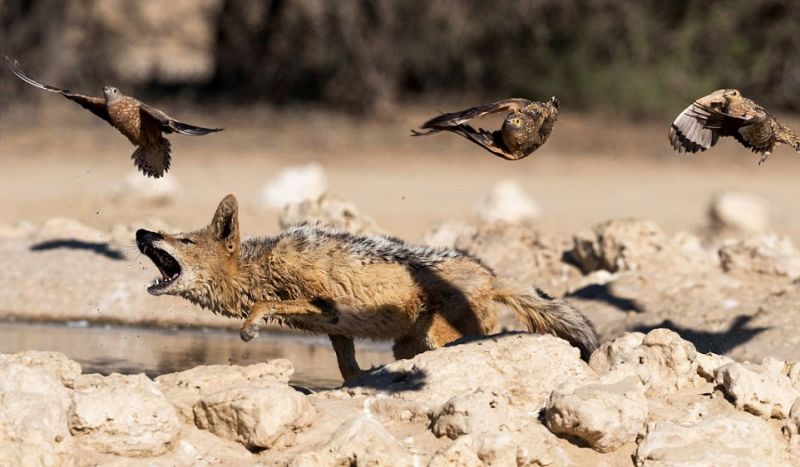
(643, 58)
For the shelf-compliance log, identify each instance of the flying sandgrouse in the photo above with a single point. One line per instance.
(524, 130)
(141, 124)
(726, 112)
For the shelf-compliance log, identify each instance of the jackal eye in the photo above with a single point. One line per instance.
(185, 241)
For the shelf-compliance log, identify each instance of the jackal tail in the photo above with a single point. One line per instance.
(547, 315)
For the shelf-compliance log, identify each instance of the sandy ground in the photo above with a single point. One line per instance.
(60, 161)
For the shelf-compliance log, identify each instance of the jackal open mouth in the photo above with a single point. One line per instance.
(166, 264)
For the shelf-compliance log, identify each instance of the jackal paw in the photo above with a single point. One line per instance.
(248, 332)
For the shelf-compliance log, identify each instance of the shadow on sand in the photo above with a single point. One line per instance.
(101, 248)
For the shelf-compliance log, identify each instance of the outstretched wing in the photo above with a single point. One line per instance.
(96, 105)
(492, 141)
(688, 133)
(169, 124)
(450, 121)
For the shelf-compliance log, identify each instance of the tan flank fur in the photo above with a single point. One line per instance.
(348, 286)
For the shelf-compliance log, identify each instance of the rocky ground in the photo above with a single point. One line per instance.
(653, 394)
(518, 399)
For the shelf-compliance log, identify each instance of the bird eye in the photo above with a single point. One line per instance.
(186, 241)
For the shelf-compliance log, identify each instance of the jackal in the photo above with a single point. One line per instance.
(348, 286)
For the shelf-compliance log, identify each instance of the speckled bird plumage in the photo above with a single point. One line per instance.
(726, 112)
(143, 125)
(526, 127)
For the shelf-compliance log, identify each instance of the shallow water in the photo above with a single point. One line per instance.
(109, 349)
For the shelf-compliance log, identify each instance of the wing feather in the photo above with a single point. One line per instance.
(170, 125)
(454, 119)
(96, 105)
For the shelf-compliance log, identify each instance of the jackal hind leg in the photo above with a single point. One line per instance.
(261, 310)
(346, 357)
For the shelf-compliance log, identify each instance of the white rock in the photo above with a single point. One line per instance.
(707, 364)
(33, 407)
(770, 255)
(661, 360)
(22, 229)
(471, 413)
(293, 185)
(359, 441)
(55, 363)
(149, 191)
(184, 389)
(448, 233)
(267, 415)
(124, 415)
(735, 439)
(737, 212)
(617, 245)
(757, 390)
(330, 211)
(62, 228)
(605, 416)
(508, 202)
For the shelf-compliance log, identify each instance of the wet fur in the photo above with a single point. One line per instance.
(351, 286)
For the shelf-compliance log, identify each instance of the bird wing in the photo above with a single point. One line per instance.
(169, 124)
(96, 105)
(449, 121)
(747, 128)
(688, 132)
(492, 141)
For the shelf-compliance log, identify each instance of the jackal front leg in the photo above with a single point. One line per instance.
(261, 310)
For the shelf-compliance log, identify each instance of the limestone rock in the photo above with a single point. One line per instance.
(62, 228)
(359, 441)
(708, 363)
(33, 410)
(529, 366)
(617, 245)
(661, 360)
(768, 255)
(259, 416)
(471, 413)
(294, 185)
(145, 190)
(508, 202)
(733, 212)
(757, 390)
(330, 211)
(184, 389)
(605, 416)
(124, 415)
(725, 439)
(55, 363)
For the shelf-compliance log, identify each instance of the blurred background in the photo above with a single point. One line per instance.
(320, 96)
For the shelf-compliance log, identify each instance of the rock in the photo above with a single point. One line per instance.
(791, 426)
(186, 388)
(359, 441)
(756, 389)
(449, 233)
(661, 360)
(147, 191)
(62, 228)
(605, 416)
(768, 255)
(330, 211)
(471, 413)
(712, 439)
(512, 250)
(124, 415)
(258, 416)
(733, 212)
(461, 453)
(529, 366)
(617, 245)
(294, 185)
(508, 202)
(33, 410)
(707, 364)
(54, 363)
(22, 229)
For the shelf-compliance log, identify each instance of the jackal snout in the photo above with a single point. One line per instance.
(146, 237)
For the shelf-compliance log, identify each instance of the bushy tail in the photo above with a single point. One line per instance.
(547, 315)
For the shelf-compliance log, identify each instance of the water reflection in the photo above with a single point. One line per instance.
(157, 351)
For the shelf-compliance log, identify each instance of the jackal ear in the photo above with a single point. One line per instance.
(225, 224)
